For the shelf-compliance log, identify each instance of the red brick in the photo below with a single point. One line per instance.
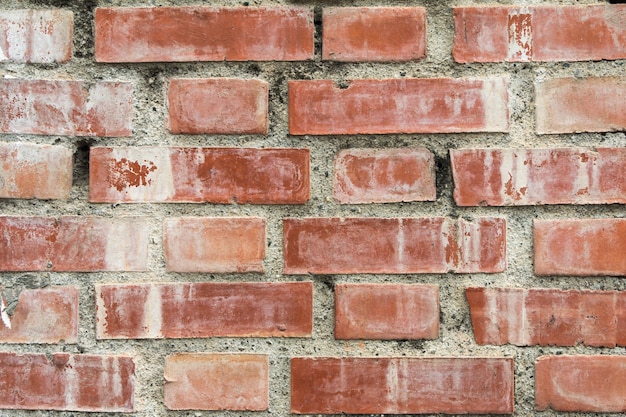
(516, 177)
(154, 311)
(72, 243)
(197, 175)
(217, 106)
(72, 108)
(417, 105)
(525, 317)
(35, 171)
(580, 247)
(585, 33)
(386, 311)
(36, 36)
(568, 105)
(401, 385)
(67, 382)
(205, 381)
(384, 176)
(47, 315)
(353, 34)
(212, 244)
(394, 246)
(581, 383)
(161, 34)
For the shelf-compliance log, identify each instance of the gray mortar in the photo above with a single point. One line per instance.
(150, 112)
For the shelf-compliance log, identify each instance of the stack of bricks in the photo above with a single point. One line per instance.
(312, 209)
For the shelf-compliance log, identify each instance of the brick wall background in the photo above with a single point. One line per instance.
(273, 207)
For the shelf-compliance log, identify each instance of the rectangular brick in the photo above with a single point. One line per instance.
(154, 311)
(413, 105)
(386, 311)
(217, 381)
(198, 175)
(67, 382)
(384, 175)
(217, 106)
(593, 384)
(535, 316)
(394, 246)
(374, 34)
(214, 244)
(35, 171)
(504, 33)
(73, 243)
(71, 108)
(36, 36)
(517, 177)
(401, 385)
(568, 105)
(580, 247)
(47, 315)
(161, 34)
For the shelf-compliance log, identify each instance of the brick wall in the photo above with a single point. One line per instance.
(312, 208)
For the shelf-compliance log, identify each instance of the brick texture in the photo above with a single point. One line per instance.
(393, 246)
(205, 381)
(594, 104)
(534, 316)
(321, 107)
(35, 171)
(36, 36)
(580, 247)
(197, 175)
(95, 383)
(141, 311)
(201, 244)
(217, 106)
(386, 311)
(516, 177)
(55, 107)
(73, 243)
(401, 385)
(593, 384)
(43, 316)
(162, 34)
(384, 176)
(585, 33)
(358, 34)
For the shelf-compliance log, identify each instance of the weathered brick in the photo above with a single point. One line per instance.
(218, 381)
(503, 177)
(72, 108)
(415, 105)
(73, 243)
(154, 311)
(393, 246)
(36, 36)
(386, 311)
(35, 171)
(585, 33)
(361, 34)
(47, 315)
(401, 385)
(384, 175)
(161, 34)
(196, 175)
(568, 105)
(217, 106)
(67, 382)
(592, 384)
(535, 316)
(214, 244)
(580, 247)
